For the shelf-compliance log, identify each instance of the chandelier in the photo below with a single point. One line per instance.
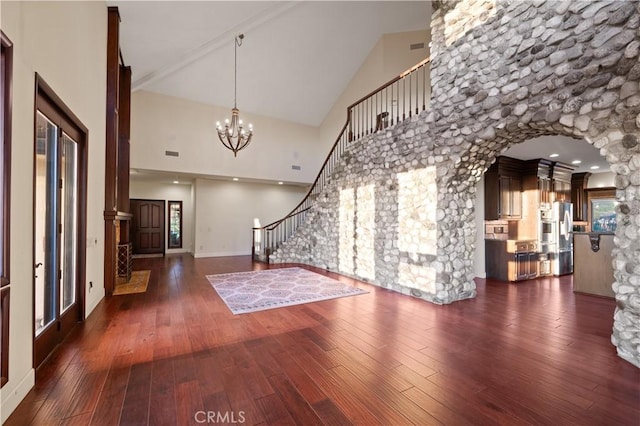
(233, 136)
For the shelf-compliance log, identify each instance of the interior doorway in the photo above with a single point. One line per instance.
(147, 226)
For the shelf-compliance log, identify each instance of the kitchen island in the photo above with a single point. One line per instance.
(592, 263)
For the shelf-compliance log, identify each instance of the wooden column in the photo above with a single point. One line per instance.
(111, 153)
(124, 135)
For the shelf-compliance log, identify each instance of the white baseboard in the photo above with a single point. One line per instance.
(11, 398)
(222, 254)
(176, 251)
(481, 275)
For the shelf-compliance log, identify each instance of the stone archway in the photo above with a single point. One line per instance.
(531, 69)
(501, 72)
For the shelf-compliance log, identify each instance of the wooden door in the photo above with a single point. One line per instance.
(148, 226)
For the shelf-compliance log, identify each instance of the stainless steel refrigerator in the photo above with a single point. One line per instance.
(562, 259)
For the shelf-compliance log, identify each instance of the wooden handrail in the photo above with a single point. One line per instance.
(317, 178)
(416, 66)
(272, 225)
(387, 84)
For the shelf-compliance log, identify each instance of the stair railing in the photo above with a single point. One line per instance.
(397, 100)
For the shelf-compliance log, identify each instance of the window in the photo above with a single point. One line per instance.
(175, 224)
(603, 215)
(602, 210)
(5, 186)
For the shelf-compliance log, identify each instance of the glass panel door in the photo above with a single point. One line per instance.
(69, 221)
(46, 206)
(59, 223)
(175, 224)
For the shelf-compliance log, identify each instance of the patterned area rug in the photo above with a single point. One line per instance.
(138, 283)
(246, 292)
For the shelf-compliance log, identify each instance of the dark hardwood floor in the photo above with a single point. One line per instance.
(527, 353)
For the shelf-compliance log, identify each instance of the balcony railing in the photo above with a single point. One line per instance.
(390, 104)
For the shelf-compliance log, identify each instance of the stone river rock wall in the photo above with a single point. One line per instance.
(502, 72)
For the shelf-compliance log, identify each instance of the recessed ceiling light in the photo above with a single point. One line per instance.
(554, 155)
(576, 162)
(594, 167)
(236, 179)
(280, 183)
(175, 181)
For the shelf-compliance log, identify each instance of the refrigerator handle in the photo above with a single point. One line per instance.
(567, 224)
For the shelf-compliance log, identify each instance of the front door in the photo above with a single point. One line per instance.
(57, 256)
(148, 226)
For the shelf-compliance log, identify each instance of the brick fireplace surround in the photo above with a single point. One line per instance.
(502, 72)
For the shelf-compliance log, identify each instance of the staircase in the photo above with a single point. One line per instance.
(397, 100)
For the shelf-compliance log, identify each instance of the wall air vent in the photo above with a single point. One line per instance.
(172, 153)
(416, 46)
(294, 167)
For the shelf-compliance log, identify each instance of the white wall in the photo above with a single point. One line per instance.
(601, 180)
(170, 192)
(160, 123)
(65, 42)
(225, 211)
(389, 58)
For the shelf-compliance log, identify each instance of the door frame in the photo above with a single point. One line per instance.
(46, 100)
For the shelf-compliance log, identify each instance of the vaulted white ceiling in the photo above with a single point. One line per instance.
(295, 61)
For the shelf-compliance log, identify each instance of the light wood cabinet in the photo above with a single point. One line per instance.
(561, 182)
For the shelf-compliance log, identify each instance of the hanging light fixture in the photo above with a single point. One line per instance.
(233, 136)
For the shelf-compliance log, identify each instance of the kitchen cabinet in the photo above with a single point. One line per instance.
(510, 202)
(561, 182)
(579, 183)
(526, 266)
(503, 190)
(562, 191)
(544, 191)
(511, 260)
(537, 178)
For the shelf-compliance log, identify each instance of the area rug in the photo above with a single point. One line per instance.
(246, 292)
(138, 283)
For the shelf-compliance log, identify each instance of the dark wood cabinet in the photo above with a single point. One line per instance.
(503, 190)
(579, 183)
(510, 260)
(526, 266)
